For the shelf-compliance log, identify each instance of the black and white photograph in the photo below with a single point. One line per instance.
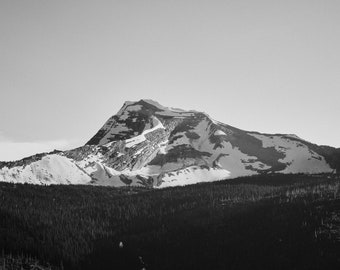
(169, 134)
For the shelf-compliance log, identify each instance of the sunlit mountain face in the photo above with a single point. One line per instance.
(147, 144)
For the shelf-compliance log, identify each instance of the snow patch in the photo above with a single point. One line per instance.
(219, 133)
(141, 138)
(193, 175)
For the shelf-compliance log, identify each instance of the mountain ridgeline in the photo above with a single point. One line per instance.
(147, 144)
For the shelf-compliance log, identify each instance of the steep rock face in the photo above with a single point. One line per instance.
(148, 144)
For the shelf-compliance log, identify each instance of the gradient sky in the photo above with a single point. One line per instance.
(66, 66)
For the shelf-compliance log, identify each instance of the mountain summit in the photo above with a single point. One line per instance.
(151, 145)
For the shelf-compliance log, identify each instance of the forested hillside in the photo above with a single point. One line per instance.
(259, 222)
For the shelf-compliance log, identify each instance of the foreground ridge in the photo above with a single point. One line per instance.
(147, 144)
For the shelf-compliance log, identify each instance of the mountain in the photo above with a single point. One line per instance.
(151, 145)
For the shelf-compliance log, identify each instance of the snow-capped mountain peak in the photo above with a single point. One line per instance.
(148, 144)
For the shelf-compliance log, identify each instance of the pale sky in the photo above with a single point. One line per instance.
(67, 66)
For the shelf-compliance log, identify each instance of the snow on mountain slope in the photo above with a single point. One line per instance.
(51, 169)
(156, 124)
(151, 145)
(193, 175)
(298, 157)
(132, 119)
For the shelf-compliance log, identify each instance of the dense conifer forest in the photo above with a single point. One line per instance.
(259, 222)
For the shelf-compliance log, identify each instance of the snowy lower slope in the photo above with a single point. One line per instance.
(151, 145)
(51, 169)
